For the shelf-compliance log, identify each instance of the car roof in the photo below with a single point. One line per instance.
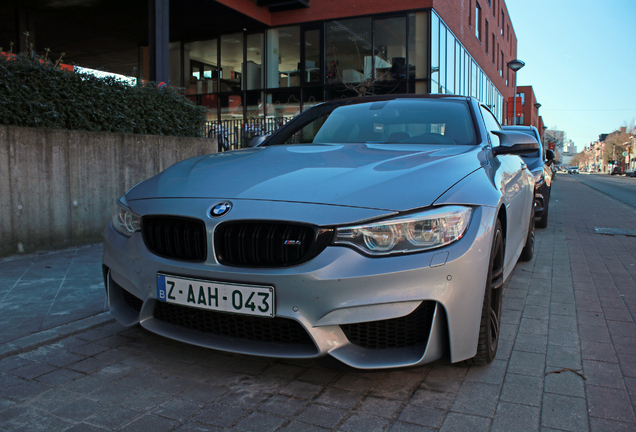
(519, 127)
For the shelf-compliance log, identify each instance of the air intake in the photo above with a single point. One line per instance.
(408, 331)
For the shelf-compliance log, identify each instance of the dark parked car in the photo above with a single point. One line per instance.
(542, 172)
(617, 171)
(378, 231)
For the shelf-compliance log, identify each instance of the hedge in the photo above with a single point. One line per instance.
(36, 93)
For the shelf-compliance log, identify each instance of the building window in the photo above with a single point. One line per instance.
(204, 72)
(418, 50)
(494, 53)
(283, 57)
(450, 63)
(312, 57)
(253, 70)
(502, 23)
(501, 65)
(348, 50)
(522, 96)
(486, 36)
(389, 61)
(435, 53)
(231, 63)
(477, 21)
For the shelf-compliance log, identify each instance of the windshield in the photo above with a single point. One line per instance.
(406, 121)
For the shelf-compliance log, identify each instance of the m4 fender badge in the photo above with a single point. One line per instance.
(292, 243)
(221, 209)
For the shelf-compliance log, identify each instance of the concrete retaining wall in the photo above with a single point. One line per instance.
(57, 187)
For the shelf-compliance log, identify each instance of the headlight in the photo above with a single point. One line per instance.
(124, 220)
(413, 233)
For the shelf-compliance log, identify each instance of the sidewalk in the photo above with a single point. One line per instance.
(566, 361)
(50, 295)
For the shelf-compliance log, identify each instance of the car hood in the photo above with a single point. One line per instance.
(390, 177)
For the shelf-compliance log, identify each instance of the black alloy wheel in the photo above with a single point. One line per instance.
(491, 310)
(528, 250)
(543, 222)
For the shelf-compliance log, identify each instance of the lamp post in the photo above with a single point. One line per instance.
(515, 65)
(537, 106)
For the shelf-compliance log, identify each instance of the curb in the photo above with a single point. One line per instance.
(35, 340)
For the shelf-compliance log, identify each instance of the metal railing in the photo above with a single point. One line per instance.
(237, 133)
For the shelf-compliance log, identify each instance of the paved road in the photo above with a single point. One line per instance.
(620, 187)
(567, 359)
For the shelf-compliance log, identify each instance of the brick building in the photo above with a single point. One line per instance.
(527, 110)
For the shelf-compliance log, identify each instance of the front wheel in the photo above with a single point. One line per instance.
(490, 323)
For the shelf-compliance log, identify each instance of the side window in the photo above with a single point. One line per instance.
(307, 133)
(491, 124)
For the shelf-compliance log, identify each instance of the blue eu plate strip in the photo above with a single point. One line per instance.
(161, 285)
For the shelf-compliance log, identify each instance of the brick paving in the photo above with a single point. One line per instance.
(566, 361)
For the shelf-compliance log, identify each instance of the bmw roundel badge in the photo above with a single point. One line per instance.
(221, 209)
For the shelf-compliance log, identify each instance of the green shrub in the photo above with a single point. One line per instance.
(36, 93)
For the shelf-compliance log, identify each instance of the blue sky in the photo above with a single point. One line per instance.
(581, 62)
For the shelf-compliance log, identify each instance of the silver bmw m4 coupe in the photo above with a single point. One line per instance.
(379, 231)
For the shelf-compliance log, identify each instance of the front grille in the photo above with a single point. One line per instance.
(268, 244)
(408, 331)
(273, 330)
(175, 237)
(132, 300)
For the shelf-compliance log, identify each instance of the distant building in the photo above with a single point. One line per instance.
(553, 140)
(569, 151)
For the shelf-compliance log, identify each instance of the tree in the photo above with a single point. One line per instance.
(615, 144)
(580, 159)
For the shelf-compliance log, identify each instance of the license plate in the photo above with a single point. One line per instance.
(218, 296)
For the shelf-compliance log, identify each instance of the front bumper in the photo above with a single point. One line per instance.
(336, 300)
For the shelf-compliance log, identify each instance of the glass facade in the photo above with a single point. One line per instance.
(254, 82)
(454, 71)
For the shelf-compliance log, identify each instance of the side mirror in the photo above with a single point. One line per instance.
(256, 141)
(549, 156)
(516, 143)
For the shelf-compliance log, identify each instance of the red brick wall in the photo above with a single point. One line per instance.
(332, 9)
(249, 8)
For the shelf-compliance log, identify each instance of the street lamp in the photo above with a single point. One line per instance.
(515, 65)
(537, 106)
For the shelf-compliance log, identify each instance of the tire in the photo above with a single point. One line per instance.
(489, 325)
(543, 222)
(528, 248)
